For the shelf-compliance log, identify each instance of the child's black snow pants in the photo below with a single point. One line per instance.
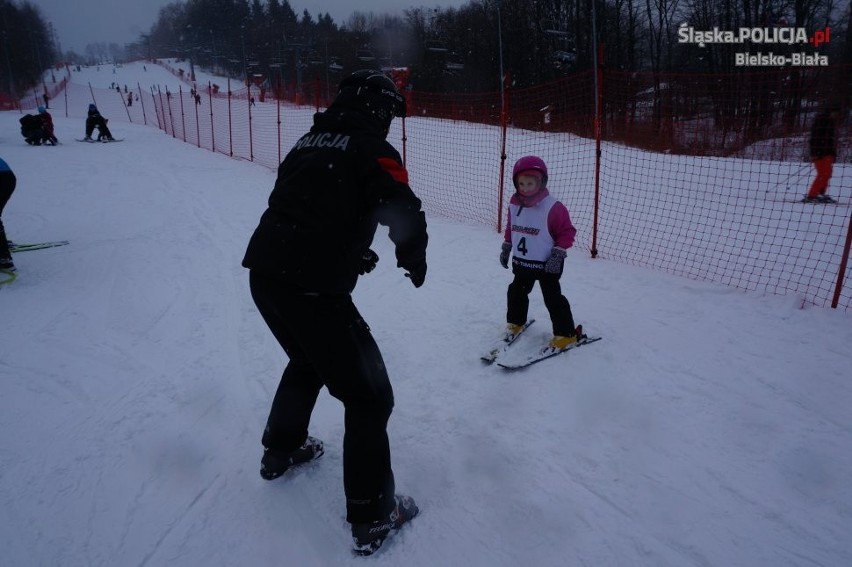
(557, 305)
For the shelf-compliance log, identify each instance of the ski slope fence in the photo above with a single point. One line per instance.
(695, 175)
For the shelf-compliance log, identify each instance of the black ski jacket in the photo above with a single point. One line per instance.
(822, 137)
(338, 183)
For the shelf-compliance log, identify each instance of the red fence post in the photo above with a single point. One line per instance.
(171, 114)
(159, 109)
(196, 99)
(182, 113)
(504, 124)
(598, 129)
(404, 142)
(93, 94)
(317, 92)
(142, 102)
(249, 101)
(127, 110)
(230, 123)
(841, 273)
(171, 122)
(210, 99)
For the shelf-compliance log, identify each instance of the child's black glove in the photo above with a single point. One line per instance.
(556, 260)
(368, 262)
(504, 254)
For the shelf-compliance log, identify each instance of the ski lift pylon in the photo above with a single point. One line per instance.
(435, 46)
(365, 55)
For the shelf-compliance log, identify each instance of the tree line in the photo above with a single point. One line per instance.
(27, 47)
(465, 49)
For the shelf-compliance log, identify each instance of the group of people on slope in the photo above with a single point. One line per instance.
(37, 129)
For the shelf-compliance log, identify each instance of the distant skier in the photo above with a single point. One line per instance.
(7, 187)
(537, 236)
(823, 150)
(95, 120)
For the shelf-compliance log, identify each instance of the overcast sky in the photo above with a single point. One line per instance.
(80, 22)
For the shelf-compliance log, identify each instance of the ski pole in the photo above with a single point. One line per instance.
(796, 173)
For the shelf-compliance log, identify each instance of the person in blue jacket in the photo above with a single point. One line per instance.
(7, 186)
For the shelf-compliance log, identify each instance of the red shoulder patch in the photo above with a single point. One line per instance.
(394, 168)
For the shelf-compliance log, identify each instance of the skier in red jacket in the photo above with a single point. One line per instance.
(823, 153)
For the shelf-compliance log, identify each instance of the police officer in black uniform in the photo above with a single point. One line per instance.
(338, 183)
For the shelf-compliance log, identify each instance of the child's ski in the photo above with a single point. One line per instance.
(502, 345)
(805, 200)
(546, 353)
(7, 276)
(15, 247)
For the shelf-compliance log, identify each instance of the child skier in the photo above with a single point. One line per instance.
(538, 233)
(95, 120)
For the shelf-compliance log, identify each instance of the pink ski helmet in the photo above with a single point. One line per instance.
(529, 165)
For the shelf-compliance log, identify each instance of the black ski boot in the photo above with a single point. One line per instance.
(367, 538)
(276, 462)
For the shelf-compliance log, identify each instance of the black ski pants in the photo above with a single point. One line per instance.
(7, 187)
(329, 344)
(557, 305)
(101, 124)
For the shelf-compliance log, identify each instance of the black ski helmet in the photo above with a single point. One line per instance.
(373, 92)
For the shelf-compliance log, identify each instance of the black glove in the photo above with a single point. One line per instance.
(368, 262)
(556, 260)
(417, 275)
(504, 254)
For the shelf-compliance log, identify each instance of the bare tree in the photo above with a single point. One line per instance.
(661, 14)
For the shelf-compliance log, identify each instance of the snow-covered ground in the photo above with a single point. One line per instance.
(709, 427)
